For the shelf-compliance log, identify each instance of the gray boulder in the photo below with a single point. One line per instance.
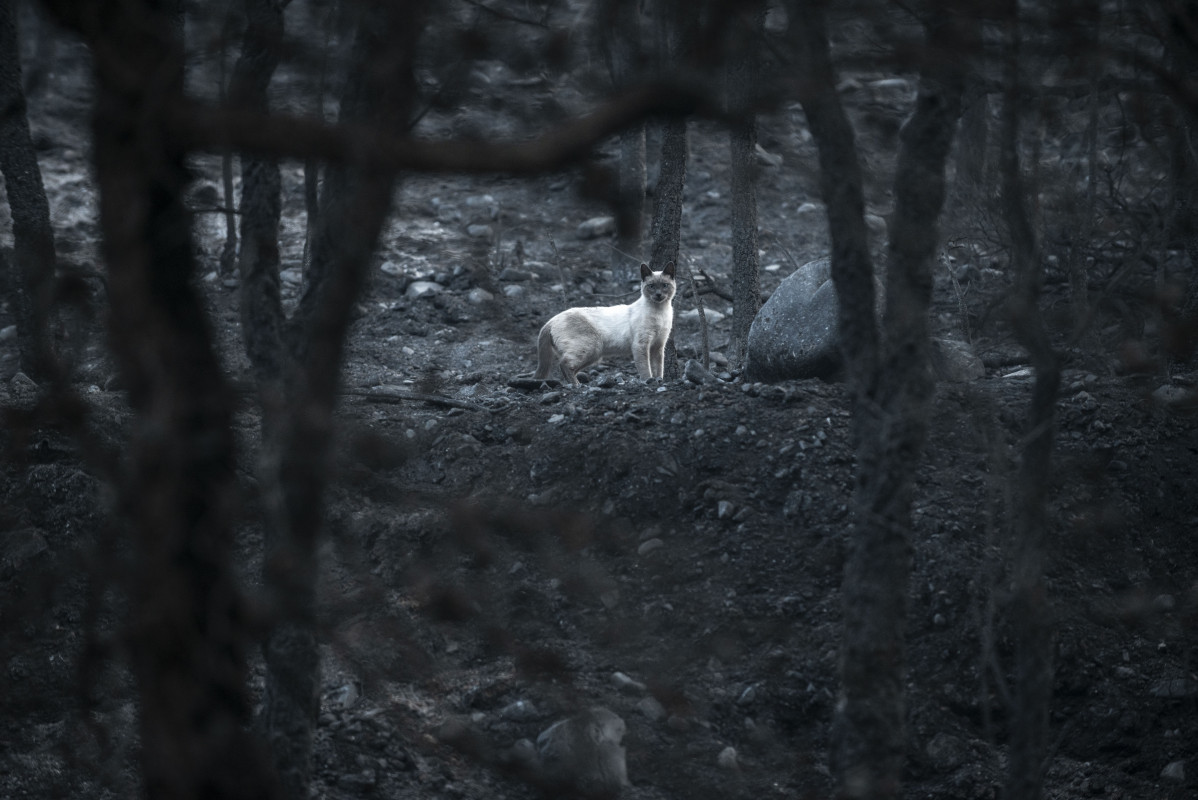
(795, 335)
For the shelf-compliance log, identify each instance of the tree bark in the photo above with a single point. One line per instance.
(291, 701)
(187, 634)
(1033, 630)
(746, 276)
(354, 206)
(31, 275)
(890, 383)
(619, 31)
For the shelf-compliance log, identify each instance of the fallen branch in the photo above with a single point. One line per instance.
(394, 394)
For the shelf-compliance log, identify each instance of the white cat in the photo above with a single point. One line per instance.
(579, 337)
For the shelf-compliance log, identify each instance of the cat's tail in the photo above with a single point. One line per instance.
(546, 355)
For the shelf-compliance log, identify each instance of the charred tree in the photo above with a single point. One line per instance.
(353, 207)
(673, 34)
(890, 382)
(1033, 629)
(31, 275)
(743, 73)
(260, 207)
(187, 637)
(619, 31)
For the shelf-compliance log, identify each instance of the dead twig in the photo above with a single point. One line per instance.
(394, 394)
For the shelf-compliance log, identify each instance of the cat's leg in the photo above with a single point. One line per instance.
(642, 357)
(657, 360)
(546, 353)
(569, 373)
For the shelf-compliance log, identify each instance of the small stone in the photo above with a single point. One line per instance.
(649, 546)
(678, 723)
(8, 333)
(626, 684)
(747, 696)
(478, 296)
(1174, 397)
(595, 227)
(422, 289)
(653, 710)
(523, 753)
(513, 290)
(1174, 771)
(694, 372)
(691, 317)
(391, 268)
(725, 509)
(1164, 602)
(727, 759)
(947, 752)
(293, 276)
(515, 274)
(478, 231)
(519, 711)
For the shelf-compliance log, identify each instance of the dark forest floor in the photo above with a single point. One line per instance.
(689, 537)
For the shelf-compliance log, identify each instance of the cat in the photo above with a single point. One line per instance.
(579, 337)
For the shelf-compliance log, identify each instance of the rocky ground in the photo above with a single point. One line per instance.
(500, 557)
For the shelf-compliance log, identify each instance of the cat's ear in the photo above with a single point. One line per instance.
(645, 271)
(669, 270)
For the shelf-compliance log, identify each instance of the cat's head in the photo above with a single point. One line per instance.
(658, 287)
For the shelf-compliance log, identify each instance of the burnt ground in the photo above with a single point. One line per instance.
(495, 562)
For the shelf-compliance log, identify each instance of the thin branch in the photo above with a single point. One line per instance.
(207, 127)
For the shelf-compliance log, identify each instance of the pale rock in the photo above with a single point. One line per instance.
(1175, 397)
(653, 710)
(479, 296)
(519, 711)
(595, 227)
(626, 684)
(691, 317)
(727, 759)
(582, 755)
(479, 231)
(417, 289)
(795, 333)
(1174, 771)
(649, 546)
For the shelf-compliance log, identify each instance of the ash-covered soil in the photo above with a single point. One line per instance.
(499, 557)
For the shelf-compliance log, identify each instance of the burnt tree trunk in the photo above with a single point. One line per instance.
(667, 214)
(32, 267)
(746, 275)
(353, 208)
(1033, 672)
(261, 308)
(187, 633)
(890, 384)
(291, 699)
(619, 30)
